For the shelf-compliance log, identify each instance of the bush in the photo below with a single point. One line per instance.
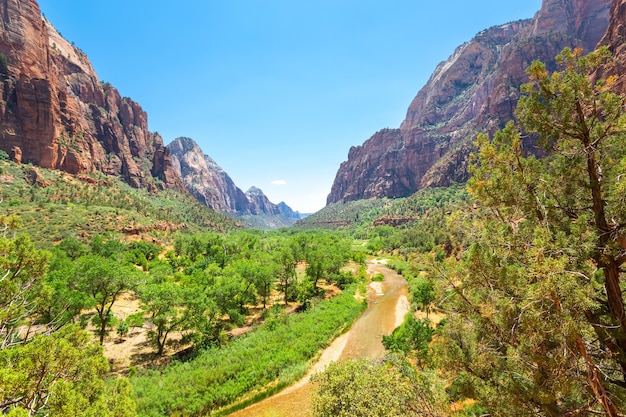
(378, 277)
(384, 388)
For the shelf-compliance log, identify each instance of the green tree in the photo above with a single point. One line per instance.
(325, 256)
(231, 292)
(122, 329)
(537, 325)
(412, 338)
(73, 248)
(285, 258)
(59, 303)
(164, 304)
(103, 280)
(61, 375)
(259, 274)
(384, 389)
(22, 268)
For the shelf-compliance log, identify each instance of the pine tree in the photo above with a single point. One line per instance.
(537, 321)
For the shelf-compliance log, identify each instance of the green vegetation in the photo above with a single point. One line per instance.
(361, 215)
(384, 388)
(54, 206)
(206, 284)
(525, 274)
(538, 324)
(279, 352)
(61, 375)
(55, 372)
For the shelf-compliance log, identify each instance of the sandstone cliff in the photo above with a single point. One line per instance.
(474, 90)
(615, 39)
(55, 112)
(211, 185)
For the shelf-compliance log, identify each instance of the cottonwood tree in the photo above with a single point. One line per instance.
(537, 324)
(258, 274)
(103, 280)
(164, 303)
(325, 255)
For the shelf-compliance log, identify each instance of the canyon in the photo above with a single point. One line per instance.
(57, 114)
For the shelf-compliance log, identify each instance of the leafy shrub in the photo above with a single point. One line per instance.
(378, 277)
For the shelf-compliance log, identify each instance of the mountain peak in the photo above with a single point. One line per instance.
(212, 186)
(254, 191)
(475, 90)
(55, 113)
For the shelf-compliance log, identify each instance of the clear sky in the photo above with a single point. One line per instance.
(275, 91)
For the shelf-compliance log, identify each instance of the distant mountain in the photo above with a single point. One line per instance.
(212, 186)
(55, 112)
(205, 179)
(475, 90)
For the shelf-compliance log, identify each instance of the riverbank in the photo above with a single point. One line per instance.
(387, 305)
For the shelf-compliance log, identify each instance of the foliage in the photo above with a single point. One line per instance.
(382, 388)
(61, 375)
(412, 337)
(536, 307)
(278, 351)
(359, 216)
(103, 280)
(22, 268)
(66, 206)
(378, 277)
(163, 302)
(421, 289)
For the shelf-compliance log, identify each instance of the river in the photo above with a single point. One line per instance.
(387, 305)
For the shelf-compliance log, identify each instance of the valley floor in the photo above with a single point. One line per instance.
(387, 305)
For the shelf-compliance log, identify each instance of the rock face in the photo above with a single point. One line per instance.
(56, 114)
(615, 39)
(474, 90)
(211, 185)
(205, 179)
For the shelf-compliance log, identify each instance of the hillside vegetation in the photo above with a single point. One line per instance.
(59, 304)
(54, 205)
(361, 215)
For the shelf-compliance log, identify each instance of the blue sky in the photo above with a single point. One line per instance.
(275, 91)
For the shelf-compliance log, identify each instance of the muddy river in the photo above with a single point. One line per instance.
(387, 305)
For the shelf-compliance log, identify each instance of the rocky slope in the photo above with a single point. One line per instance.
(615, 39)
(474, 90)
(210, 184)
(56, 114)
(205, 179)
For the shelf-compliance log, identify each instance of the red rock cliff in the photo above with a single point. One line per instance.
(55, 113)
(474, 90)
(615, 39)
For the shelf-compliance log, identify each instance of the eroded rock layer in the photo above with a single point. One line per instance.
(474, 90)
(56, 114)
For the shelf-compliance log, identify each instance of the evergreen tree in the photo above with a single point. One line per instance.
(537, 324)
